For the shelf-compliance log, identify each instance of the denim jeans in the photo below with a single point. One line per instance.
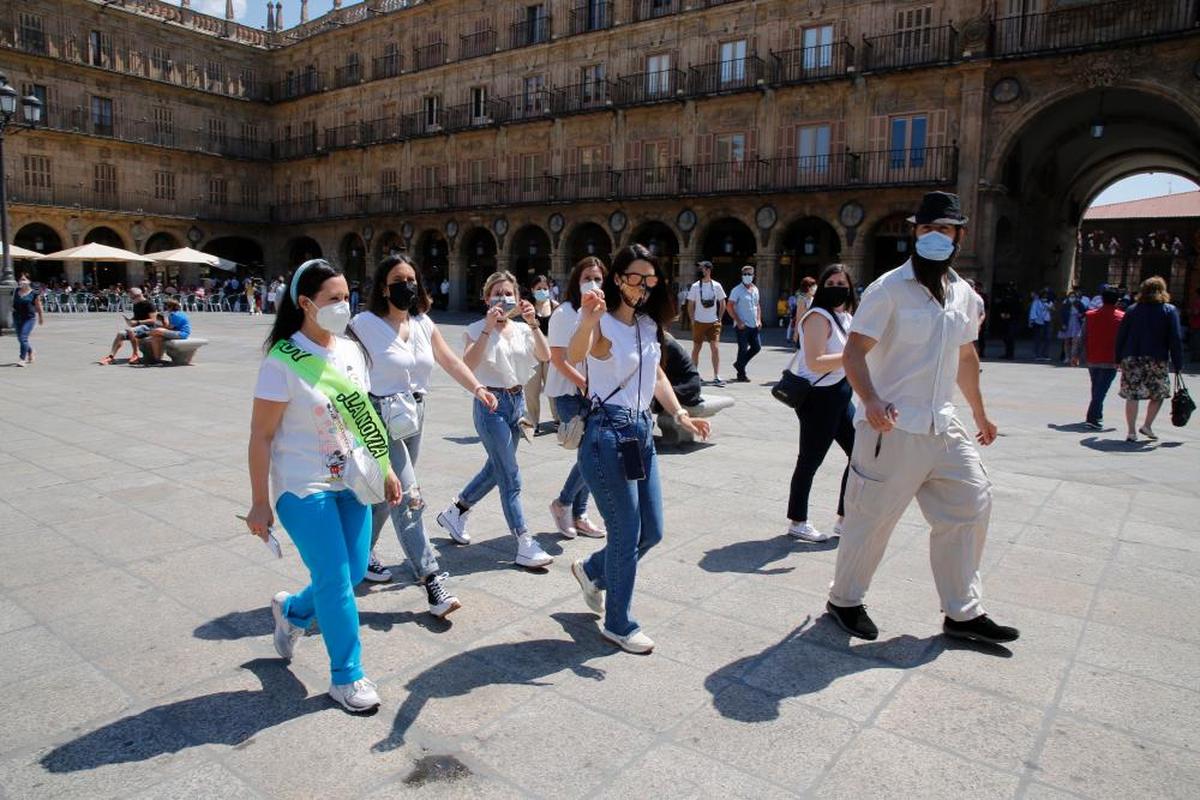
(24, 329)
(332, 531)
(1041, 340)
(499, 431)
(575, 491)
(407, 522)
(1102, 378)
(749, 342)
(632, 510)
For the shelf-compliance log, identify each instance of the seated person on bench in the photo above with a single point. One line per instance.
(685, 380)
(178, 327)
(136, 328)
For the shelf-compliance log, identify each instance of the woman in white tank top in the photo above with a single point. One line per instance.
(827, 414)
(618, 334)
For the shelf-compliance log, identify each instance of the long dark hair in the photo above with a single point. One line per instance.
(378, 303)
(660, 306)
(574, 293)
(289, 317)
(826, 274)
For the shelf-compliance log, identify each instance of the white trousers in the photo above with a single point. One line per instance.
(946, 476)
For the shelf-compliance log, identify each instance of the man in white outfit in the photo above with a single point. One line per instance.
(911, 341)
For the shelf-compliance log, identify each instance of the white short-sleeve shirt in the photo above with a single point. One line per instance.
(308, 453)
(563, 323)
(397, 365)
(914, 364)
(706, 290)
(508, 359)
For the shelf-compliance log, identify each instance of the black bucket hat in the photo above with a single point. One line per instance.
(939, 208)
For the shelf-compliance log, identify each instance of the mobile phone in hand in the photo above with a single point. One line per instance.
(271, 542)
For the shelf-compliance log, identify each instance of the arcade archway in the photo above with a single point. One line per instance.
(807, 246)
(300, 249)
(168, 274)
(529, 254)
(588, 239)
(730, 245)
(352, 255)
(433, 258)
(887, 247)
(660, 240)
(479, 254)
(247, 253)
(100, 274)
(41, 239)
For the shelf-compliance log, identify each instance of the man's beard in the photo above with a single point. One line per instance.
(930, 273)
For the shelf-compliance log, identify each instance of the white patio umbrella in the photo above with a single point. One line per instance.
(96, 252)
(21, 252)
(186, 255)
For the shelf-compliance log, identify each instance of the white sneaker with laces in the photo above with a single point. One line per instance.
(585, 527)
(530, 553)
(592, 594)
(454, 521)
(562, 519)
(806, 533)
(355, 697)
(286, 633)
(635, 642)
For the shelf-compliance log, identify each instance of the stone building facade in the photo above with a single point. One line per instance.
(478, 134)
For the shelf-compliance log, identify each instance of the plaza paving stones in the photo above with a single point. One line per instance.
(136, 661)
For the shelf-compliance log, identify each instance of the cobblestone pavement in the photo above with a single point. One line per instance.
(136, 661)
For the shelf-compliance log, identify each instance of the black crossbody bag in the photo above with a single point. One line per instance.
(791, 389)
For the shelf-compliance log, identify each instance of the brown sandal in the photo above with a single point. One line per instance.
(106, 361)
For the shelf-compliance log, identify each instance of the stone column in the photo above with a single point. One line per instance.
(970, 157)
(560, 266)
(766, 276)
(279, 16)
(229, 10)
(854, 253)
(303, 11)
(457, 269)
(135, 273)
(270, 16)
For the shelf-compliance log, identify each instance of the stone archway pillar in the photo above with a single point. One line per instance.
(135, 273)
(74, 271)
(766, 275)
(457, 268)
(970, 157)
(854, 255)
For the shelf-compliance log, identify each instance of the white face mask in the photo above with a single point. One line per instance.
(589, 286)
(747, 279)
(334, 317)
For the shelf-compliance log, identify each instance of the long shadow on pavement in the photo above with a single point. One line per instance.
(228, 718)
(812, 657)
(517, 663)
(754, 556)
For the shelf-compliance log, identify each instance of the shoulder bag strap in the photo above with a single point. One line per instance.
(801, 350)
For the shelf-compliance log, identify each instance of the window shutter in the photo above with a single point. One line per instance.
(752, 145)
(937, 128)
(837, 136)
(787, 141)
(606, 156)
(676, 154)
(877, 133)
(633, 154)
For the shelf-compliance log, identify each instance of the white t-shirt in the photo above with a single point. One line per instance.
(563, 323)
(836, 343)
(706, 290)
(620, 367)
(308, 453)
(508, 359)
(397, 365)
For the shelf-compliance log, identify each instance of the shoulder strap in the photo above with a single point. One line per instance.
(351, 402)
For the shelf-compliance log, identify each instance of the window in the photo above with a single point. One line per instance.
(41, 93)
(104, 180)
(218, 192)
(216, 132)
(812, 149)
(31, 35)
(658, 75)
(479, 104)
(37, 172)
(477, 171)
(537, 24)
(283, 194)
(592, 86)
(656, 159)
(432, 106)
(731, 148)
(350, 186)
(164, 125)
(102, 116)
(214, 71)
(531, 95)
(164, 185)
(596, 12)
(249, 81)
(915, 28)
(160, 60)
(100, 49)
(249, 195)
(907, 141)
(818, 47)
(591, 167)
(389, 182)
(531, 171)
(733, 62)
(250, 133)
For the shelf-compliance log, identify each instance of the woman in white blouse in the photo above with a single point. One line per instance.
(403, 344)
(503, 355)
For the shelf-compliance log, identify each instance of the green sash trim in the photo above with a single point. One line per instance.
(351, 402)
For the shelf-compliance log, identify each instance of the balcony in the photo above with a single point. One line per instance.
(733, 75)
(915, 48)
(531, 105)
(531, 190)
(32, 40)
(530, 32)
(809, 173)
(582, 97)
(377, 130)
(588, 16)
(722, 177)
(299, 211)
(350, 205)
(421, 123)
(653, 9)
(385, 66)
(348, 75)
(430, 56)
(645, 88)
(1093, 26)
(918, 166)
(86, 196)
(295, 147)
(469, 116)
(343, 136)
(806, 64)
(596, 184)
(475, 195)
(301, 85)
(651, 182)
(474, 45)
(427, 198)
(389, 201)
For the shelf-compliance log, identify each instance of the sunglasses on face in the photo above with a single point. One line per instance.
(637, 279)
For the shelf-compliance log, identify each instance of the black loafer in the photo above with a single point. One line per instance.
(980, 629)
(854, 621)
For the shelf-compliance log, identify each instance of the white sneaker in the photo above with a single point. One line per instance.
(562, 519)
(839, 527)
(530, 553)
(585, 527)
(286, 633)
(355, 697)
(806, 532)
(592, 594)
(636, 642)
(455, 523)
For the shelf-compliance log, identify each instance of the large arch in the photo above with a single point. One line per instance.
(730, 245)
(529, 254)
(588, 239)
(478, 253)
(104, 274)
(40, 238)
(301, 249)
(660, 239)
(243, 251)
(168, 274)
(806, 246)
(432, 257)
(386, 244)
(352, 257)
(888, 246)
(1053, 159)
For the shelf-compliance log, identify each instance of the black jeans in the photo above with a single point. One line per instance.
(826, 416)
(749, 344)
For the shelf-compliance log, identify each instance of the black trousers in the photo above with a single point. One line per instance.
(827, 416)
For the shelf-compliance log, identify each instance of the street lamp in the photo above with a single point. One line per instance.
(32, 108)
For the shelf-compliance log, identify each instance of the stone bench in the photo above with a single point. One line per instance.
(708, 407)
(182, 351)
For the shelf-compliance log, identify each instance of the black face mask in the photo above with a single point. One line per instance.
(403, 295)
(832, 296)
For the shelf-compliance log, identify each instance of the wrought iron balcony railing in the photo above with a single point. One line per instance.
(530, 32)
(597, 184)
(474, 45)
(804, 64)
(590, 15)
(386, 66)
(650, 87)
(300, 85)
(732, 75)
(430, 56)
(581, 97)
(918, 47)
(653, 9)
(348, 75)
(137, 201)
(1093, 25)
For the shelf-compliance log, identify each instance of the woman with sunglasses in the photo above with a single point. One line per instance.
(502, 354)
(620, 334)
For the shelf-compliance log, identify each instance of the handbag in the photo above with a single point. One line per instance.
(791, 389)
(400, 414)
(1182, 404)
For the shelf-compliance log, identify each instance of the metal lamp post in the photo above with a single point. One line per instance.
(32, 108)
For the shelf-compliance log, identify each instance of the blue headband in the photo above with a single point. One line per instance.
(300, 271)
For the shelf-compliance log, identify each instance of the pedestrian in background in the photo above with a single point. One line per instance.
(1149, 348)
(804, 299)
(1041, 316)
(1098, 343)
(746, 310)
(27, 313)
(706, 301)
(543, 306)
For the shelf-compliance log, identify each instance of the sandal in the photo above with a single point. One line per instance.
(1149, 434)
(134, 359)
(106, 361)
